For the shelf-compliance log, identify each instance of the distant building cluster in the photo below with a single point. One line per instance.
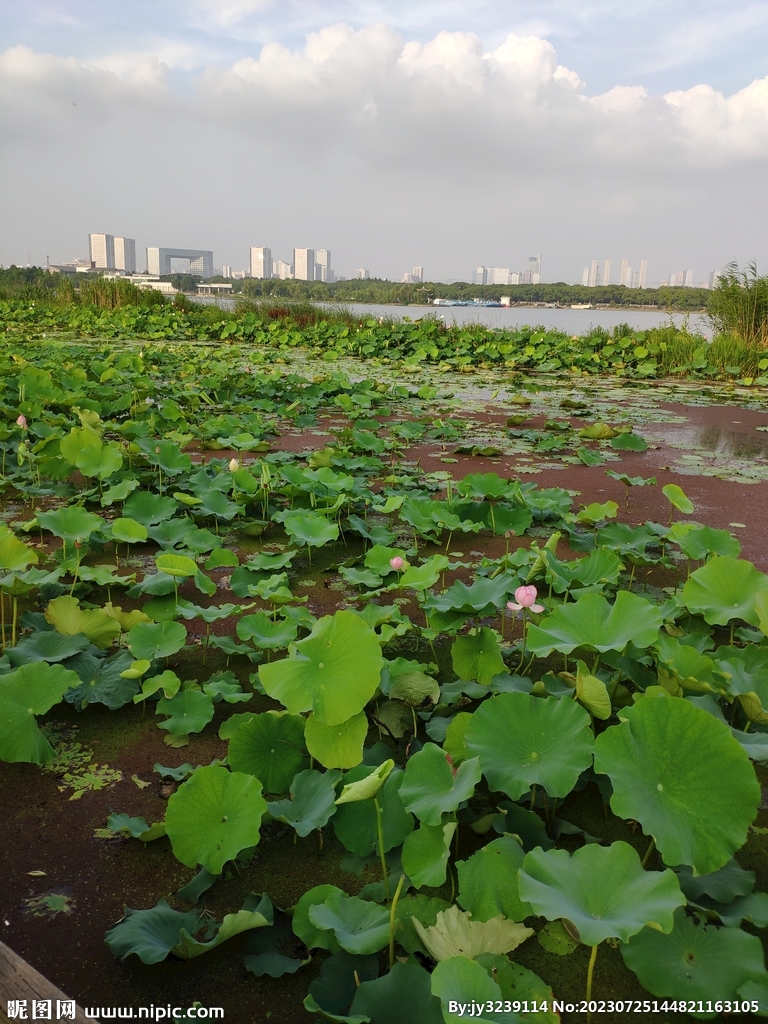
(592, 278)
(415, 276)
(307, 265)
(504, 276)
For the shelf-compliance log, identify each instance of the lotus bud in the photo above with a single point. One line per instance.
(397, 563)
(234, 465)
(525, 598)
(22, 422)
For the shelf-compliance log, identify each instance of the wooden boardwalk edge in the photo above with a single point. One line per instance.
(19, 980)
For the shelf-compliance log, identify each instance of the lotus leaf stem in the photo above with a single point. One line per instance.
(15, 619)
(648, 852)
(533, 796)
(590, 972)
(382, 855)
(392, 909)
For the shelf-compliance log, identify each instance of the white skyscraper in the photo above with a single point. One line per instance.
(417, 275)
(282, 270)
(261, 262)
(607, 272)
(688, 279)
(643, 273)
(323, 269)
(361, 274)
(304, 264)
(594, 274)
(480, 276)
(125, 254)
(625, 277)
(585, 277)
(102, 250)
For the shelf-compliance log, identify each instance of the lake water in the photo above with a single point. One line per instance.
(572, 321)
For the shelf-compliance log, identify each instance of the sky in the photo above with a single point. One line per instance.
(444, 134)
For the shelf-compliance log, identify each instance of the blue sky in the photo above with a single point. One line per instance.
(446, 134)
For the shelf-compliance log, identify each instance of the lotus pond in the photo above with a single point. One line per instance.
(366, 691)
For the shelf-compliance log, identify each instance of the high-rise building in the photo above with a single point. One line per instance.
(714, 277)
(480, 276)
(159, 261)
(361, 274)
(594, 274)
(607, 272)
(635, 278)
(304, 264)
(534, 269)
(417, 275)
(125, 254)
(261, 262)
(226, 271)
(323, 269)
(643, 273)
(514, 277)
(282, 270)
(625, 277)
(688, 279)
(585, 277)
(102, 250)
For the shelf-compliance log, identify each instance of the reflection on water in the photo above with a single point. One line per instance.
(729, 442)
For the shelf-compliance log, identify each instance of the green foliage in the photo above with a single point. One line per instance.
(30, 691)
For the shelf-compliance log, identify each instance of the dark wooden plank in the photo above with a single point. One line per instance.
(20, 981)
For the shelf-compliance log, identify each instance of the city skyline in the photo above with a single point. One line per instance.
(440, 130)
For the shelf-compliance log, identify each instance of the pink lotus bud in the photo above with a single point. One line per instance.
(525, 598)
(234, 465)
(22, 422)
(397, 563)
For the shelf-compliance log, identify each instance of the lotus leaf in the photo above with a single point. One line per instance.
(65, 614)
(312, 936)
(255, 913)
(150, 640)
(15, 556)
(414, 688)
(418, 907)
(29, 691)
(432, 786)
(178, 566)
(337, 746)
(698, 808)
(425, 853)
(629, 443)
(188, 711)
(421, 577)
(265, 633)
(592, 693)
(603, 892)
(340, 975)
(677, 497)
(46, 646)
(455, 934)
(403, 996)
(519, 984)
(128, 531)
(102, 681)
(592, 622)
(524, 741)
(148, 508)
(272, 948)
(488, 881)
(311, 804)
(71, 523)
(477, 656)
(462, 985)
(213, 816)
(334, 672)
(694, 961)
(355, 823)
(725, 589)
(310, 528)
(359, 926)
(704, 541)
(271, 747)
(378, 559)
(454, 741)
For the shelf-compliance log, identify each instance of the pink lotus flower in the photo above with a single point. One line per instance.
(397, 563)
(525, 598)
(22, 422)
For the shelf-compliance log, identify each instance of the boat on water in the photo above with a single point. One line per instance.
(465, 302)
(581, 305)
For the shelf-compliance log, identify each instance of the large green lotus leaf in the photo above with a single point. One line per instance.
(355, 823)
(178, 566)
(167, 455)
(694, 961)
(255, 913)
(337, 746)
(65, 615)
(477, 656)
(524, 741)
(15, 556)
(271, 747)
(421, 577)
(149, 508)
(421, 908)
(677, 497)
(334, 672)
(462, 983)
(311, 804)
(704, 541)
(683, 669)
(359, 926)
(150, 640)
(102, 681)
(519, 984)
(484, 594)
(71, 523)
(488, 881)
(189, 711)
(310, 528)
(265, 633)
(433, 786)
(128, 531)
(47, 645)
(723, 885)
(593, 622)
(725, 589)
(340, 975)
(29, 691)
(101, 462)
(213, 816)
(151, 934)
(403, 996)
(425, 854)
(414, 688)
(603, 892)
(312, 936)
(682, 775)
